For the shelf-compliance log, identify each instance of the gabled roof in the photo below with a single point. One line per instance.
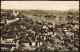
(11, 36)
(8, 45)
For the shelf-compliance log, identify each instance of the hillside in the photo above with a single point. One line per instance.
(40, 15)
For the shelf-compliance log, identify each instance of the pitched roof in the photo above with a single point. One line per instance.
(11, 36)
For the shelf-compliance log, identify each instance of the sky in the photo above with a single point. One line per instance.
(44, 5)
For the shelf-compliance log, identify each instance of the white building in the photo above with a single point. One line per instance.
(15, 13)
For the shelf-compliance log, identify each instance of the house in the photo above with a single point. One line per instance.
(9, 39)
(7, 43)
